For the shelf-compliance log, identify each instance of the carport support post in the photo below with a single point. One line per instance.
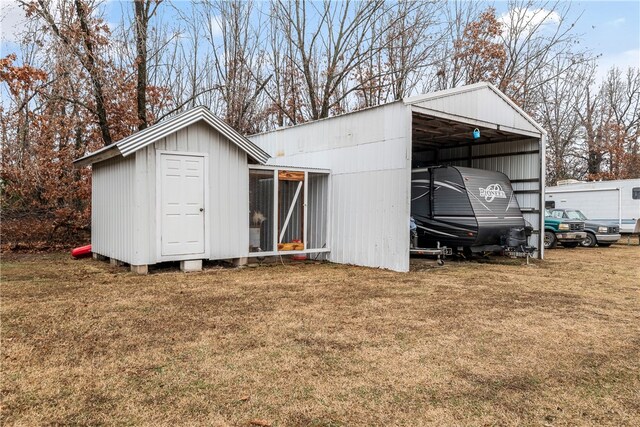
(542, 147)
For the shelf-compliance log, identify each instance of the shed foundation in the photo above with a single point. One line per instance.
(191, 265)
(140, 269)
(240, 262)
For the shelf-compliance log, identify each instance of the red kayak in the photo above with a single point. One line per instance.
(81, 252)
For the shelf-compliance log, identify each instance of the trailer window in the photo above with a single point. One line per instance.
(635, 193)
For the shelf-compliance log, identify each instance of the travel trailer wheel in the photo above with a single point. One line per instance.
(589, 241)
(549, 240)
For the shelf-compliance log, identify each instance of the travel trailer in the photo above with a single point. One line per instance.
(603, 201)
(466, 209)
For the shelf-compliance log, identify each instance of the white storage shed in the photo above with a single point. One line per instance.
(371, 154)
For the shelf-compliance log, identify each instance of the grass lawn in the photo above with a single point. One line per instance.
(553, 343)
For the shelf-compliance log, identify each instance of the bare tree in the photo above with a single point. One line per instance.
(284, 90)
(144, 11)
(450, 71)
(79, 34)
(234, 32)
(408, 36)
(620, 97)
(589, 110)
(328, 41)
(535, 35)
(559, 115)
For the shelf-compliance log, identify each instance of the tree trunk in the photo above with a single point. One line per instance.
(142, 21)
(90, 65)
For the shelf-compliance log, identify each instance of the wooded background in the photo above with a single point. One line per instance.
(78, 82)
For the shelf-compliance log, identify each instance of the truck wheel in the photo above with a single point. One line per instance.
(589, 241)
(571, 244)
(550, 240)
(604, 245)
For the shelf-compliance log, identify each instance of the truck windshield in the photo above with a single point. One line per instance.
(576, 215)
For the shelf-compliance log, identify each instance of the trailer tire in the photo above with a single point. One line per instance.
(589, 241)
(550, 240)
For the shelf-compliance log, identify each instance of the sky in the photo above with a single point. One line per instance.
(612, 29)
(609, 28)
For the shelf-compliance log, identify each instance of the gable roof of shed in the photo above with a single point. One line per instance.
(480, 101)
(141, 139)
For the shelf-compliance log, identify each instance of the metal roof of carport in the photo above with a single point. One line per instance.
(138, 140)
(480, 104)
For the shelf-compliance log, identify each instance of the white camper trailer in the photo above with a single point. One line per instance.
(608, 201)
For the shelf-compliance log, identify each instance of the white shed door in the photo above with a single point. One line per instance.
(182, 204)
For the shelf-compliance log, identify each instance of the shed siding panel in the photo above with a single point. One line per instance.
(368, 154)
(228, 188)
(113, 207)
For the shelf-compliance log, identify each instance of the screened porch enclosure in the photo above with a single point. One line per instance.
(288, 211)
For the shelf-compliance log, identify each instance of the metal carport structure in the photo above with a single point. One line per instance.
(442, 124)
(371, 153)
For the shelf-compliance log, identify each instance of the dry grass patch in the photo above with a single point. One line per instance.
(556, 343)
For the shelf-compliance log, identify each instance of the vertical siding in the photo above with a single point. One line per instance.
(369, 154)
(228, 188)
(480, 104)
(113, 206)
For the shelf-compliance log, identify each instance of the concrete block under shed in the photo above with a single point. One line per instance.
(192, 265)
(240, 262)
(140, 269)
(116, 262)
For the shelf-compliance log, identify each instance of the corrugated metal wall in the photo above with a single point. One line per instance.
(112, 209)
(228, 188)
(480, 104)
(369, 154)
